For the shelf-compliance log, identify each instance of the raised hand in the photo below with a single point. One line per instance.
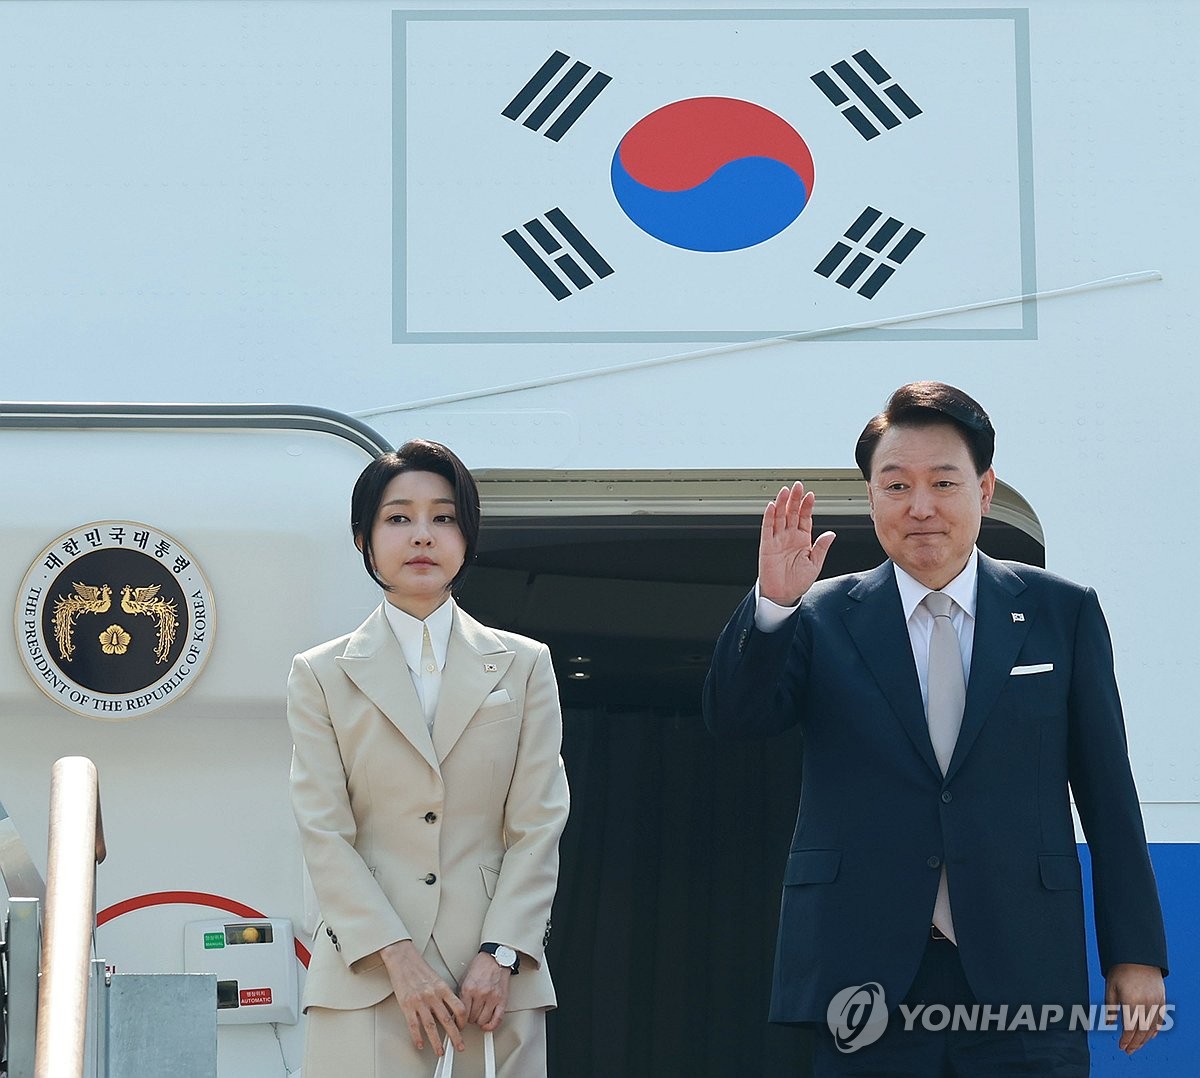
(789, 561)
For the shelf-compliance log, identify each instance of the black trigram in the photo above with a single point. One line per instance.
(555, 95)
(884, 247)
(850, 79)
(568, 239)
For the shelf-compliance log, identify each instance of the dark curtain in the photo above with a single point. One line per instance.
(664, 924)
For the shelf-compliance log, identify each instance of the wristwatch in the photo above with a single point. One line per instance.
(504, 956)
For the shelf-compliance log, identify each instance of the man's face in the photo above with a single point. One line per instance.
(926, 500)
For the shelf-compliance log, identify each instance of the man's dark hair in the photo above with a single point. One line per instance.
(924, 404)
(417, 455)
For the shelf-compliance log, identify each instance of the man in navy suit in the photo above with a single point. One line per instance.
(942, 873)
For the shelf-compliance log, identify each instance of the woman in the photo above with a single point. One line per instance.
(430, 794)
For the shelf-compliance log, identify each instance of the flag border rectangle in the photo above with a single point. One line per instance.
(1028, 330)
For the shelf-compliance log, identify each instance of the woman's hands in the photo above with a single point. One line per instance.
(485, 992)
(428, 1002)
(425, 998)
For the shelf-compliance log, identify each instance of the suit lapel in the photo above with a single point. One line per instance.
(374, 661)
(476, 659)
(998, 640)
(875, 621)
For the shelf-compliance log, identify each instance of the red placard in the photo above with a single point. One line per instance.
(254, 997)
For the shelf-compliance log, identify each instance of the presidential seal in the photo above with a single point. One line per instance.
(114, 620)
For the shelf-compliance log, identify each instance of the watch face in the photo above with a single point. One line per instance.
(506, 956)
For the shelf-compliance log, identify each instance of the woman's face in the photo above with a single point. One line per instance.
(416, 543)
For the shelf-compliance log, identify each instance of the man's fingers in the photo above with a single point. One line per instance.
(768, 522)
(1131, 1041)
(777, 514)
(795, 505)
(1139, 1025)
(790, 510)
(820, 548)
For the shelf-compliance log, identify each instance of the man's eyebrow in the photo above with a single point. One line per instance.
(936, 468)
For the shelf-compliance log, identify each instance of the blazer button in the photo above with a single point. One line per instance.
(947, 797)
(431, 817)
(934, 862)
(431, 879)
(742, 638)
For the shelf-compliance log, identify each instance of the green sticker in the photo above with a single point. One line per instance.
(213, 940)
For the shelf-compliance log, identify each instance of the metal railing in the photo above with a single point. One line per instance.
(76, 846)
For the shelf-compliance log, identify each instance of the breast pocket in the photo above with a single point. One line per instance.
(491, 716)
(497, 706)
(1035, 688)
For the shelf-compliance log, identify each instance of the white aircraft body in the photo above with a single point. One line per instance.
(639, 264)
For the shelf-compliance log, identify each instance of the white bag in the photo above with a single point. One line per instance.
(445, 1067)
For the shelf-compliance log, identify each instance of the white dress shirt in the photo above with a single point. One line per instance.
(769, 616)
(424, 645)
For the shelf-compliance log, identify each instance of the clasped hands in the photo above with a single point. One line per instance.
(428, 1002)
(789, 560)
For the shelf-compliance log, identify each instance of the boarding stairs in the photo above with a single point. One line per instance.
(65, 1013)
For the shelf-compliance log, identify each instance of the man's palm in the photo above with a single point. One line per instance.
(789, 561)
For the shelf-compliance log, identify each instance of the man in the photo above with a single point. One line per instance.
(934, 854)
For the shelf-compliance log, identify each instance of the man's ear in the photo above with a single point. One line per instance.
(987, 487)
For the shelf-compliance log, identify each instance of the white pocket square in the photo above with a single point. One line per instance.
(500, 696)
(1036, 668)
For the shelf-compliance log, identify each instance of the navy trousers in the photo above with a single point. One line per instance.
(920, 1052)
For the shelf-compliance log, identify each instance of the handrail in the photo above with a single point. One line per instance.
(57, 415)
(76, 847)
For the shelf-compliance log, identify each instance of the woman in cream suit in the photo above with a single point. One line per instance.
(430, 795)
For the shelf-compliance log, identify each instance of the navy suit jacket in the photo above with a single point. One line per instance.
(877, 818)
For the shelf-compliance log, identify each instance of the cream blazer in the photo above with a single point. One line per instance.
(452, 836)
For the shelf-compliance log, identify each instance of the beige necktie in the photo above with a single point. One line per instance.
(947, 695)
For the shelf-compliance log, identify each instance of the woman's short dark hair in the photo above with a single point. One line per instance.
(924, 404)
(418, 455)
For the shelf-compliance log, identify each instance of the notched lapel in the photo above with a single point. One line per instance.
(476, 660)
(374, 661)
(875, 621)
(998, 640)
